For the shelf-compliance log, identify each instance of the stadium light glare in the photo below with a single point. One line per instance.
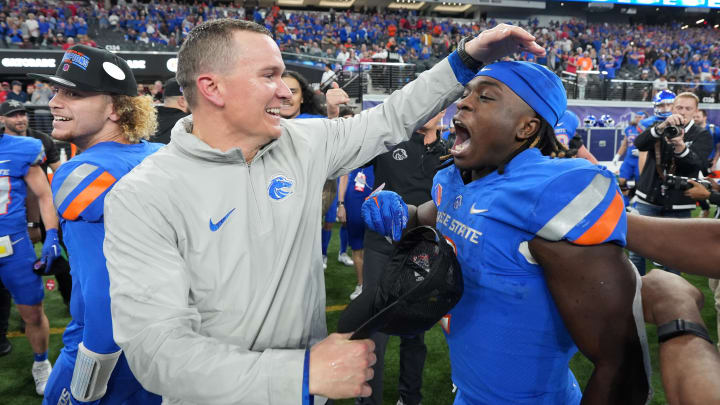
(716, 25)
(700, 21)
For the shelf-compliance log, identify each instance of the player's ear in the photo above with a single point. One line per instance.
(111, 114)
(527, 127)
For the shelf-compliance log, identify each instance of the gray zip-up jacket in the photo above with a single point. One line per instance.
(216, 277)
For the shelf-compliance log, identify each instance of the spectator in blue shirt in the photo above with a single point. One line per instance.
(660, 66)
(705, 64)
(694, 64)
(43, 25)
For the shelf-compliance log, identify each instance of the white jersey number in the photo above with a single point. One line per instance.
(4, 194)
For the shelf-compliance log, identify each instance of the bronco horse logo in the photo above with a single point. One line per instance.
(280, 187)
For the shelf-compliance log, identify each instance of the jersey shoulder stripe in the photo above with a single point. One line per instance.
(92, 191)
(72, 180)
(76, 186)
(605, 225)
(580, 206)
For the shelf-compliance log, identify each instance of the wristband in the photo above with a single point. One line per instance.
(341, 203)
(680, 327)
(467, 60)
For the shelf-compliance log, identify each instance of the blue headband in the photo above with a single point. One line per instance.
(540, 88)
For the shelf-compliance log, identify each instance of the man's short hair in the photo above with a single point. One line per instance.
(206, 50)
(688, 94)
(703, 112)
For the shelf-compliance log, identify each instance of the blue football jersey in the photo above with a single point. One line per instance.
(79, 188)
(648, 122)
(565, 128)
(17, 154)
(631, 132)
(508, 343)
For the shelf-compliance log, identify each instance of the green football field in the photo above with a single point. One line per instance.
(17, 388)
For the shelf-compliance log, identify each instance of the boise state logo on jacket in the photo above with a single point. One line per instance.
(507, 319)
(280, 187)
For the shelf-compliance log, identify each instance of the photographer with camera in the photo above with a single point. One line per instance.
(676, 147)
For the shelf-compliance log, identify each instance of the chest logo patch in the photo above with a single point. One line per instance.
(458, 202)
(399, 154)
(280, 187)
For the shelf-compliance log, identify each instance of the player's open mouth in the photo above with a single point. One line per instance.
(462, 138)
(274, 111)
(57, 118)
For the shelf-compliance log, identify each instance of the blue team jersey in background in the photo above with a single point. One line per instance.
(17, 154)
(508, 343)
(648, 122)
(631, 133)
(566, 127)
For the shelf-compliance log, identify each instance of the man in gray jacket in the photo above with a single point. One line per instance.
(213, 243)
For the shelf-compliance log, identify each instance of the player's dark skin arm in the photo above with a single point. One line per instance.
(596, 303)
(689, 245)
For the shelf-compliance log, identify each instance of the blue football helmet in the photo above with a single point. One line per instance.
(590, 121)
(607, 121)
(660, 102)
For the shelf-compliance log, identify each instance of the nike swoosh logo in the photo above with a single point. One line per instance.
(4, 161)
(474, 210)
(216, 226)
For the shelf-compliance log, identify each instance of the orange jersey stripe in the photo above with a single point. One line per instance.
(87, 196)
(605, 225)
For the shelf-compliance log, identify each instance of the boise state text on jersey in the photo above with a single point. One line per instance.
(507, 319)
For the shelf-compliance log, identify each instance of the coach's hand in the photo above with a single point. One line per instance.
(500, 41)
(385, 213)
(334, 98)
(341, 368)
(50, 249)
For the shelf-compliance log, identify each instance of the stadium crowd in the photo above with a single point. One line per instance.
(640, 52)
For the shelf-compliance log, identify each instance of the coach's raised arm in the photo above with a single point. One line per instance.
(213, 243)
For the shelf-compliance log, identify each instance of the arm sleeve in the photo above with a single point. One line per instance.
(354, 141)
(645, 141)
(95, 288)
(36, 155)
(157, 328)
(582, 206)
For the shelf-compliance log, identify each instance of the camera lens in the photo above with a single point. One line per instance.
(671, 132)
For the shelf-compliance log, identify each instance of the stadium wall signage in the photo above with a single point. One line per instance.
(145, 65)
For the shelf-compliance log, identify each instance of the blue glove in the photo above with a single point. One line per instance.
(385, 213)
(51, 248)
